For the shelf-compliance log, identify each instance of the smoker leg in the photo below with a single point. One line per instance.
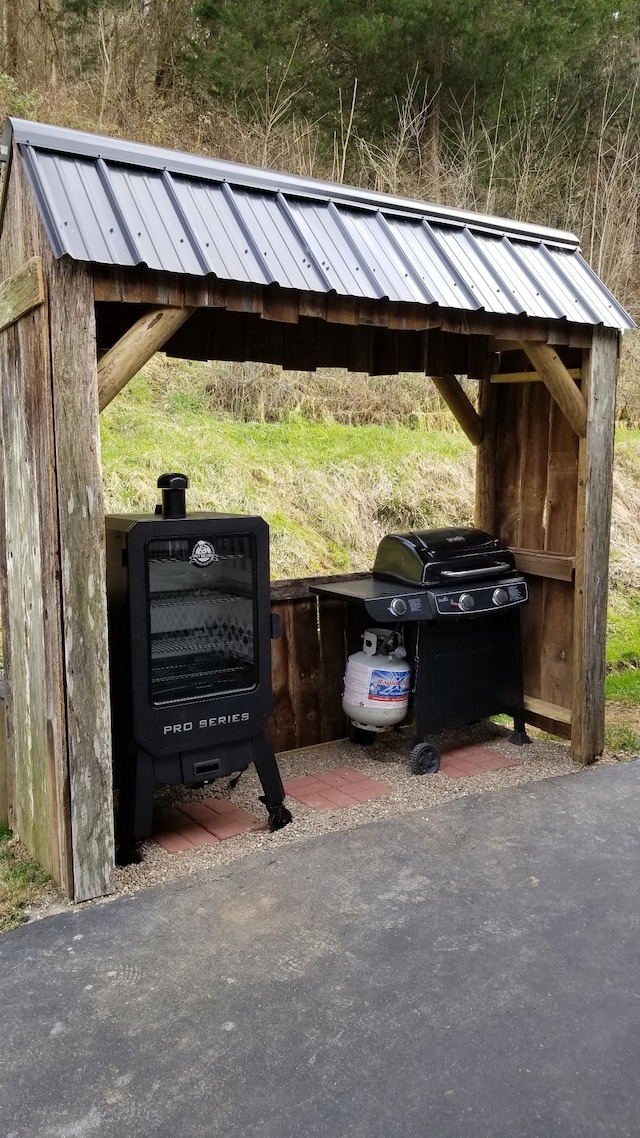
(269, 776)
(519, 737)
(135, 808)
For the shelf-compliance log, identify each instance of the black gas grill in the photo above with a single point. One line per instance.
(190, 629)
(459, 591)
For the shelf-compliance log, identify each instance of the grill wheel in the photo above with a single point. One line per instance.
(424, 759)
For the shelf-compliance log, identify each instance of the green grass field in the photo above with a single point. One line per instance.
(328, 490)
(21, 882)
(623, 649)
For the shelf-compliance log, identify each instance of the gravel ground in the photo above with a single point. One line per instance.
(386, 760)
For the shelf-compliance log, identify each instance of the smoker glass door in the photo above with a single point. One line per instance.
(202, 614)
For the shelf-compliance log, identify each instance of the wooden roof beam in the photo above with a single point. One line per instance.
(558, 381)
(460, 406)
(135, 348)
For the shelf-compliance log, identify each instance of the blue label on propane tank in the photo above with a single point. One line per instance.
(389, 685)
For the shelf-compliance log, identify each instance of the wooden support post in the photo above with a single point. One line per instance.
(53, 566)
(37, 768)
(136, 348)
(559, 382)
(595, 464)
(22, 292)
(4, 785)
(485, 509)
(82, 556)
(460, 406)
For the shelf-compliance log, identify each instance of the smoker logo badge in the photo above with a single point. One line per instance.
(203, 553)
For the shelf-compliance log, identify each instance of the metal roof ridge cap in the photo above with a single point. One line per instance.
(66, 140)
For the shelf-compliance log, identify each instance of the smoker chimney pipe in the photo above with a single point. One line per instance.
(173, 488)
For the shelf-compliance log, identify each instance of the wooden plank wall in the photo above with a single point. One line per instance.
(529, 492)
(308, 664)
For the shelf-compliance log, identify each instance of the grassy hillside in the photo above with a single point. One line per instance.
(331, 460)
(328, 490)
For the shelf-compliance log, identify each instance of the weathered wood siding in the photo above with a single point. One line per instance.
(83, 574)
(4, 796)
(260, 322)
(21, 292)
(527, 493)
(52, 534)
(308, 664)
(37, 772)
(547, 493)
(595, 487)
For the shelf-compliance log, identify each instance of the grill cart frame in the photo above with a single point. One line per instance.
(458, 594)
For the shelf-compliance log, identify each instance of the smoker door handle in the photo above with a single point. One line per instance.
(486, 571)
(276, 626)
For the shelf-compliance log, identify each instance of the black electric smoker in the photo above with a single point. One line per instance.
(190, 629)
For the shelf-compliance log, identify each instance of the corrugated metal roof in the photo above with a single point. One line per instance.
(122, 203)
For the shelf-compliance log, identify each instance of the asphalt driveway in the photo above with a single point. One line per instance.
(468, 972)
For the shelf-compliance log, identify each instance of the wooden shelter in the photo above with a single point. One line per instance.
(109, 252)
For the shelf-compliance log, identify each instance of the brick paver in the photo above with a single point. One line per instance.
(336, 789)
(203, 822)
(463, 762)
(208, 820)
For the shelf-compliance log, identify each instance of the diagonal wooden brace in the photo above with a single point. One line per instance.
(460, 406)
(136, 348)
(559, 383)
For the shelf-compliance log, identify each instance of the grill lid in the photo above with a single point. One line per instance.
(441, 556)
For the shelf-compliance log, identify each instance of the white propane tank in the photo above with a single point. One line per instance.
(377, 682)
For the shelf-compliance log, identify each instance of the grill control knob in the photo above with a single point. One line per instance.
(466, 602)
(398, 607)
(500, 597)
